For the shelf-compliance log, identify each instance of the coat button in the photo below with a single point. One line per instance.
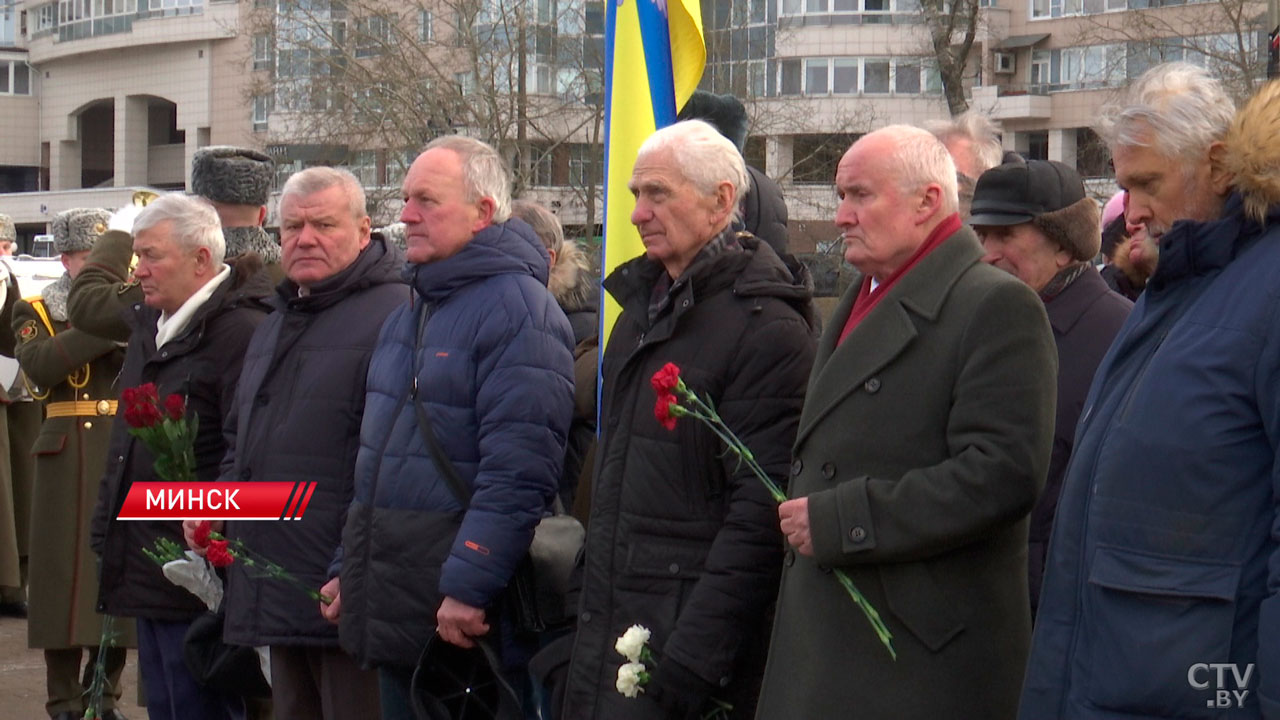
(796, 467)
(789, 559)
(84, 396)
(586, 617)
(164, 354)
(245, 474)
(858, 534)
(119, 458)
(872, 385)
(684, 303)
(828, 470)
(88, 425)
(673, 568)
(724, 681)
(262, 400)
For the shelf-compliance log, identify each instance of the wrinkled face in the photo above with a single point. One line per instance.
(168, 275)
(1022, 251)
(874, 215)
(1164, 189)
(319, 236)
(74, 262)
(439, 219)
(674, 218)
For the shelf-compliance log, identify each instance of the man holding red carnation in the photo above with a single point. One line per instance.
(188, 339)
(684, 539)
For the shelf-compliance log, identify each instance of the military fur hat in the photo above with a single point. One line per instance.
(232, 175)
(78, 229)
(725, 112)
(8, 233)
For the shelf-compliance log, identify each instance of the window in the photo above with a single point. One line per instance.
(47, 17)
(15, 78)
(789, 81)
(816, 156)
(261, 110)
(466, 82)
(364, 165)
(8, 22)
(906, 78)
(876, 76)
(541, 165)
(586, 162)
(426, 33)
(845, 78)
(815, 77)
(372, 35)
(261, 52)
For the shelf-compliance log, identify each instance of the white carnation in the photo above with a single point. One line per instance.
(630, 678)
(632, 642)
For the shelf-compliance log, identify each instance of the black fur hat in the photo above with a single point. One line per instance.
(232, 175)
(725, 112)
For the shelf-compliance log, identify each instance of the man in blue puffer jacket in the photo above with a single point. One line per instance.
(486, 352)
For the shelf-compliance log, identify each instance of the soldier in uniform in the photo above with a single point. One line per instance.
(73, 373)
(15, 487)
(236, 181)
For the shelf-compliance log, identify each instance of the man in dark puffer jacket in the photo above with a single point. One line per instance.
(485, 352)
(683, 538)
(297, 419)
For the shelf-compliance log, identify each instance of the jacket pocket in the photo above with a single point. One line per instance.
(1148, 619)
(49, 443)
(919, 603)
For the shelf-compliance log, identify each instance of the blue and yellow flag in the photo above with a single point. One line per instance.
(654, 56)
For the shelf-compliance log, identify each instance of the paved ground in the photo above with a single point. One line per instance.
(22, 693)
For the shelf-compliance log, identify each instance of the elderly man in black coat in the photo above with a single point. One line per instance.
(683, 539)
(1036, 223)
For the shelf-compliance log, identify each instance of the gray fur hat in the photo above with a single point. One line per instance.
(78, 229)
(8, 233)
(232, 175)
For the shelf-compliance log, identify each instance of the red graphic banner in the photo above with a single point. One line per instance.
(217, 501)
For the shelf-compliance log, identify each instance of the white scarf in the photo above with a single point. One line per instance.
(169, 326)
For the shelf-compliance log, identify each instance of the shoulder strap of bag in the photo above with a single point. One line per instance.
(460, 489)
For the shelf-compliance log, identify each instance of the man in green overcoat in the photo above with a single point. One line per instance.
(923, 442)
(73, 374)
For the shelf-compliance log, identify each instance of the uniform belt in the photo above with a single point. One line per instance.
(77, 408)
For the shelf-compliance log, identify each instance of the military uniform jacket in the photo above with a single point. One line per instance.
(64, 366)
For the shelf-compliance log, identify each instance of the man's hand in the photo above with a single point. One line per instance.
(457, 623)
(333, 609)
(794, 516)
(189, 533)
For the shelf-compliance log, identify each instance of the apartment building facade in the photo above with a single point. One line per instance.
(99, 97)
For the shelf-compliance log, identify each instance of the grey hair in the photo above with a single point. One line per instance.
(1176, 108)
(979, 130)
(318, 179)
(705, 157)
(195, 223)
(543, 222)
(921, 159)
(483, 171)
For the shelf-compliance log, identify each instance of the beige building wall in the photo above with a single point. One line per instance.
(20, 137)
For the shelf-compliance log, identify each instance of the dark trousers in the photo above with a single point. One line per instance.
(393, 684)
(172, 692)
(321, 683)
(67, 682)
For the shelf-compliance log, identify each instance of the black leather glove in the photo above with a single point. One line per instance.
(678, 690)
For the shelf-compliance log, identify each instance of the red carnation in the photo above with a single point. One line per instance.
(218, 555)
(140, 410)
(176, 408)
(201, 535)
(665, 380)
(662, 410)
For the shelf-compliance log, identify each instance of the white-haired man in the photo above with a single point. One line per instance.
(973, 141)
(1160, 592)
(188, 336)
(683, 539)
(924, 441)
(469, 393)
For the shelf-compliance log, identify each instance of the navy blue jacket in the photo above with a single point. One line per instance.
(297, 419)
(1164, 553)
(495, 372)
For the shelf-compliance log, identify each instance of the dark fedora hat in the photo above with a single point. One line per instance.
(455, 683)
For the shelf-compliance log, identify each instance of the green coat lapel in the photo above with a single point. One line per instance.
(887, 331)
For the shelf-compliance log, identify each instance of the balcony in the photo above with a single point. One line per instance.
(1014, 102)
